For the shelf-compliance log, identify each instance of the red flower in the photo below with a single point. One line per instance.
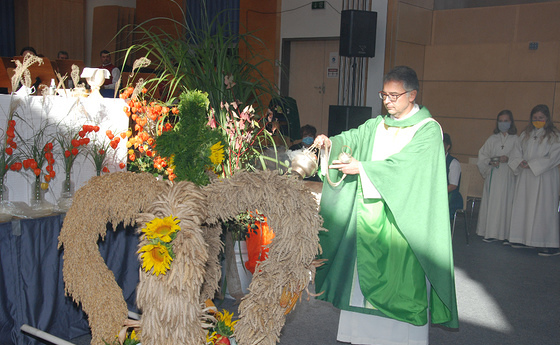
(67, 153)
(75, 142)
(9, 150)
(101, 151)
(74, 151)
(105, 170)
(122, 165)
(52, 174)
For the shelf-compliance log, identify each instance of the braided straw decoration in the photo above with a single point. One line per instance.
(278, 281)
(86, 276)
(171, 303)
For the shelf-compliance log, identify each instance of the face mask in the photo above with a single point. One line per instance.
(307, 141)
(504, 126)
(539, 124)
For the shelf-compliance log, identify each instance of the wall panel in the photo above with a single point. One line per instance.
(51, 26)
(468, 100)
(539, 22)
(532, 65)
(475, 26)
(412, 55)
(469, 62)
(415, 24)
(467, 136)
(555, 108)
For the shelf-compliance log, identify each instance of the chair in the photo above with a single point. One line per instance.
(466, 173)
(476, 186)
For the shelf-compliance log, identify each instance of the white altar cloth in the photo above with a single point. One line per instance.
(107, 113)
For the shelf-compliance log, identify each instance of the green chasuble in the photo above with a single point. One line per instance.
(397, 240)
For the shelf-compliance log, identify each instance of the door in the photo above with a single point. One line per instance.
(313, 80)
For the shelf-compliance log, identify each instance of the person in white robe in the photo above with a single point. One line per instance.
(499, 181)
(535, 159)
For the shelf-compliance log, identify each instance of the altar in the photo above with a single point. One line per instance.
(32, 289)
(53, 113)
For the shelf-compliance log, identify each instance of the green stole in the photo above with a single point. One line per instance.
(398, 240)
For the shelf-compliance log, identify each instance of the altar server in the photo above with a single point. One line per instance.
(499, 181)
(534, 159)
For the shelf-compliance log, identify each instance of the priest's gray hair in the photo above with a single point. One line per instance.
(404, 74)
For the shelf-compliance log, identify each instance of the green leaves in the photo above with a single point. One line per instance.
(190, 141)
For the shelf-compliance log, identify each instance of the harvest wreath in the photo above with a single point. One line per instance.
(172, 303)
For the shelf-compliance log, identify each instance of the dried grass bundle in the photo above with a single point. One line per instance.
(170, 303)
(278, 281)
(21, 72)
(86, 276)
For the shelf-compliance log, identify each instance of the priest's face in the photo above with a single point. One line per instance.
(396, 99)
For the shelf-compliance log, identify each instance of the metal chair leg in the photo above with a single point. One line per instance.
(466, 226)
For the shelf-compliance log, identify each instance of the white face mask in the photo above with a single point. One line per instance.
(504, 126)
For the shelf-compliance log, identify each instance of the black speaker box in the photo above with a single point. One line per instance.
(357, 33)
(342, 118)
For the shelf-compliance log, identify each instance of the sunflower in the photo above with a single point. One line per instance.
(217, 153)
(162, 228)
(155, 256)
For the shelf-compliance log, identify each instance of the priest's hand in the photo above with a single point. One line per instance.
(504, 159)
(322, 141)
(351, 168)
(524, 165)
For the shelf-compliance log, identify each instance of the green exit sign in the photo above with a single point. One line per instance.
(317, 5)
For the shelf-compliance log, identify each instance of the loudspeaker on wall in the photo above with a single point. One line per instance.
(357, 33)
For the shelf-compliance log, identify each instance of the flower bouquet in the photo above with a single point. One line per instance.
(101, 151)
(222, 332)
(72, 142)
(8, 161)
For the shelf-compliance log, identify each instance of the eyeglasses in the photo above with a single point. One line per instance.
(392, 98)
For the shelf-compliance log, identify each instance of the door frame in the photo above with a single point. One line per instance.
(285, 60)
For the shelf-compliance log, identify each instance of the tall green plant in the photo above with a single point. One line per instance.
(205, 59)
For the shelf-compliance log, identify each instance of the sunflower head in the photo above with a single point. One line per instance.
(156, 257)
(217, 153)
(162, 228)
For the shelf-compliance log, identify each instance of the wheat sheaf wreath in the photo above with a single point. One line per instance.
(172, 304)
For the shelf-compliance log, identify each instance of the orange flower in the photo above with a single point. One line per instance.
(122, 165)
(37, 172)
(132, 157)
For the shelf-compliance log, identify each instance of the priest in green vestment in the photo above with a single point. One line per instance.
(388, 240)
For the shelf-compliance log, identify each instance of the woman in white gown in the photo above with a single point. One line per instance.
(499, 181)
(534, 159)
